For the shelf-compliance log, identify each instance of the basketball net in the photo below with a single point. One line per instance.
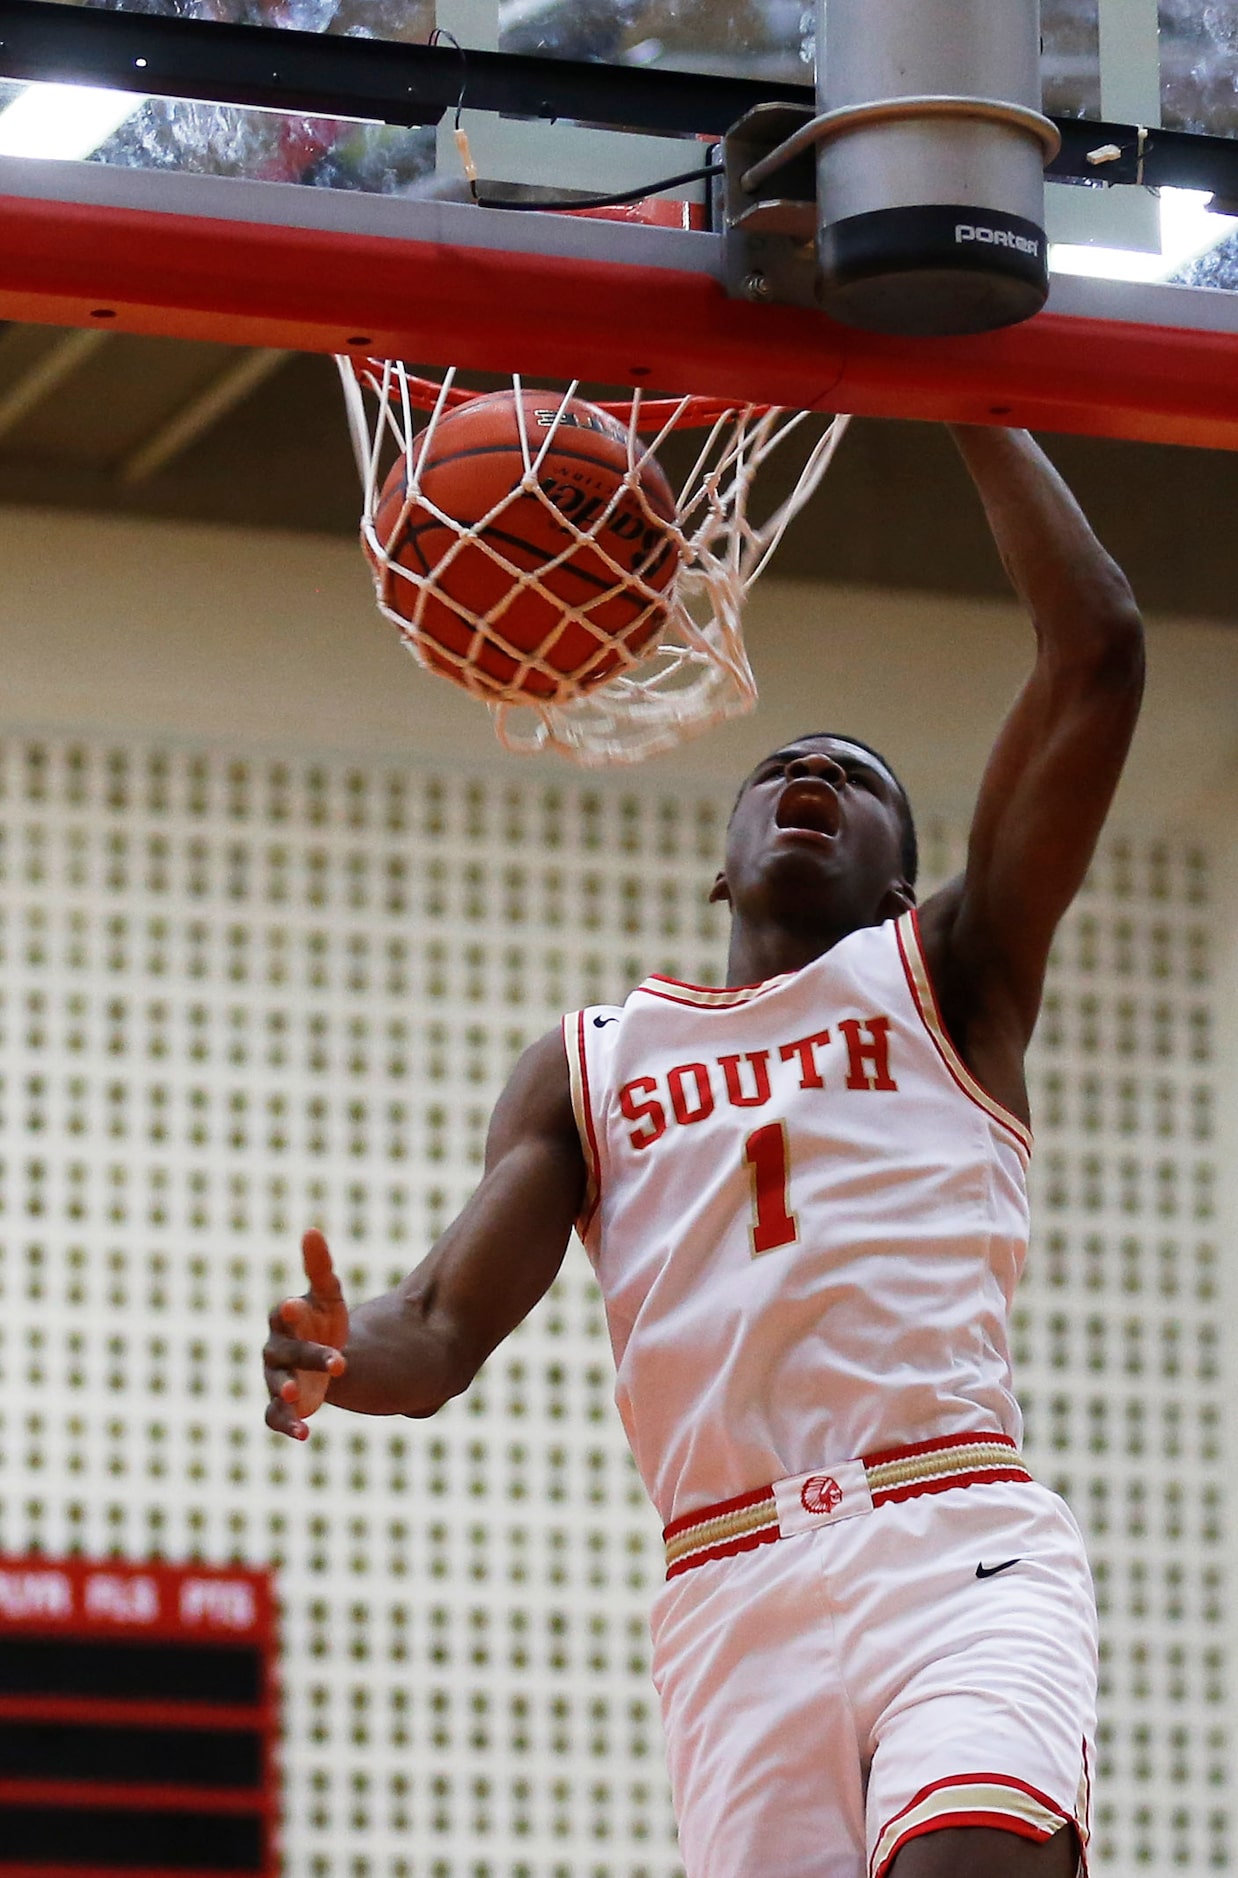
(695, 673)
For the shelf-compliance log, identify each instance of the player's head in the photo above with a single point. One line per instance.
(825, 826)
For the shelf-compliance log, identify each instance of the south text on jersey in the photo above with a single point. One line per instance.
(690, 1092)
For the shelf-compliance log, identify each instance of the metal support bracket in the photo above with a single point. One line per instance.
(769, 232)
(770, 210)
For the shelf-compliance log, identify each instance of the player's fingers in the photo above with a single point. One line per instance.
(283, 1420)
(289, 1353)
(300, 1387)
(284, 1384)
(293, 1314)
(316, 1257)
(297, 1316)
(286, 1315)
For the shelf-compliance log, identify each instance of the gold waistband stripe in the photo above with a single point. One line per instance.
(753, 1519)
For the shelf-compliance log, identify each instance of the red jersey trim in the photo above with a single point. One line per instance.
(997, 1800)
(924, 996)
(975, 1477)
(708, 997)
(738, 1505)
(582, 1108)
(728, 1548)
(752, 1518)
(937, 1444)
(1001, 1822)
(1083, 1809)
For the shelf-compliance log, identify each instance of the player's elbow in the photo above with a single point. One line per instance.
(1118, 655)
(1103, 653)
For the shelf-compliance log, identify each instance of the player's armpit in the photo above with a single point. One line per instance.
(421, 1344)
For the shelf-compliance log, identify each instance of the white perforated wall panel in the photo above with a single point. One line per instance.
(1123, 1340)
(240, 995)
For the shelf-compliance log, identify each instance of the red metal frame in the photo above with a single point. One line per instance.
(322, 289)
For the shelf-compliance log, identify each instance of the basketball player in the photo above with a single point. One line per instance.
(804, 1196)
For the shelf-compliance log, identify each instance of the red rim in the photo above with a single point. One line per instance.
(694, 413)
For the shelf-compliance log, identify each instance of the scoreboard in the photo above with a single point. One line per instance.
(137, 1721)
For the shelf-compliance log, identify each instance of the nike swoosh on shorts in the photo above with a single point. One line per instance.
(991, 1571)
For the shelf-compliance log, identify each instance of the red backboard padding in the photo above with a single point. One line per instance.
(558, 315)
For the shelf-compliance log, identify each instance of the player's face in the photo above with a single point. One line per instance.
(818, 828)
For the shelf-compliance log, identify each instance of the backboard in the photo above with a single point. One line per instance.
(325, 205)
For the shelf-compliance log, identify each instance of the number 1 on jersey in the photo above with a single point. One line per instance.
(767, 1154)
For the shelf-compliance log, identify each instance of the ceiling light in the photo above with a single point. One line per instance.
(67, 121)
(1187, 231)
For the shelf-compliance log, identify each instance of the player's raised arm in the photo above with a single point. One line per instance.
(1054, 768)
(410, 1351)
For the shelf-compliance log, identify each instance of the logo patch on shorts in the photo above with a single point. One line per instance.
(806, 1501)
(821, 1493)
(991, 1571)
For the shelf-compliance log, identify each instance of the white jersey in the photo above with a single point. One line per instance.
(807, 1218)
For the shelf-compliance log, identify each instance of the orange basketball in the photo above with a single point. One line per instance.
(479, 622)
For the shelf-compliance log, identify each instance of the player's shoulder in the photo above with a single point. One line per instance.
(590, 1037)
(597, 1017)
(591, 1040)
(540, 1077)
(936, 921)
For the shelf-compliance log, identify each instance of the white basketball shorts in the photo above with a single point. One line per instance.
(829, 1697)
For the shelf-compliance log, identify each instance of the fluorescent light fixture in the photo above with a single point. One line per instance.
(1187, 231)
(67, 121)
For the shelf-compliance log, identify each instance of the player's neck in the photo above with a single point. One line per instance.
(759, 951)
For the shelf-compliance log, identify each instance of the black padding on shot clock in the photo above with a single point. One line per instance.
(933, 270)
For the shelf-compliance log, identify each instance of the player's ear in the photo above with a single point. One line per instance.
(720, 893)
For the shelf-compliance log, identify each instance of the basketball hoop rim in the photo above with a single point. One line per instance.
(688, 412)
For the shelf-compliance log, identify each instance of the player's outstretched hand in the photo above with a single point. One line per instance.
(304, 1351)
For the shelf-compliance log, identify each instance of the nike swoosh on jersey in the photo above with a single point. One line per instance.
(991, 1571)
(599, 1023)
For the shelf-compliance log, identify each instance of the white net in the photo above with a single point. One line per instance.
(642, 662)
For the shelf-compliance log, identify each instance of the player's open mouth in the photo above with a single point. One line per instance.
(811, 805)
